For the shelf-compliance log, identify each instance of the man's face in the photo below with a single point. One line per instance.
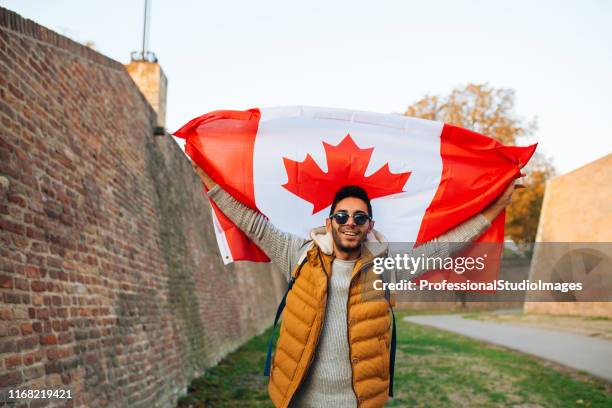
(348, 237)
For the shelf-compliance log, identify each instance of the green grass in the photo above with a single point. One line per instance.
(237, 381)
(433, 369)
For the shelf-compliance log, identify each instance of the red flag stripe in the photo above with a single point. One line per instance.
(222, 143)
(470, 160)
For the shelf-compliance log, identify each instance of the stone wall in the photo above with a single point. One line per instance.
(577, 209)
(152, 82)
(110, 281)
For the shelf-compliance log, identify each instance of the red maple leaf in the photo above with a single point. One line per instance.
(346, 164)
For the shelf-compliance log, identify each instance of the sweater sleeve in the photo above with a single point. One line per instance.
(452, 241)
(280, 246)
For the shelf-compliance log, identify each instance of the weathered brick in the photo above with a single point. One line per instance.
(38, 286)
(13, 361)
(11, 226)
(53, 353)
(8, 346)
(17, 199)
(54, 381)
(48, 339)
(20, 242)
(53, 367)
(32, 271)
(11, 297)
(6, 314)
(35, 234)
(6, 281)
(11, 378)
(32, 357)
(30, 373)
(26, 329)
(54, 262)
(13, 331)
(27, 343)
(22, 284)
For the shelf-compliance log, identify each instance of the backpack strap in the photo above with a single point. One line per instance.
(393, 341)
(302, 253)
(392, 353)
(279, 311)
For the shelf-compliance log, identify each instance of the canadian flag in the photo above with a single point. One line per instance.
(423, 177)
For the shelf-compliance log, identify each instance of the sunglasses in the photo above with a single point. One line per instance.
(342, 218)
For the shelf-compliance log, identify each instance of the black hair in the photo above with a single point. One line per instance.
(351, 191)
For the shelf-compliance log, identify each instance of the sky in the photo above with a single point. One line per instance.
(378, 56)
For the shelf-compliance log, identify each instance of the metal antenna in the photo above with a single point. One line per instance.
(145, 29)
(145, 54)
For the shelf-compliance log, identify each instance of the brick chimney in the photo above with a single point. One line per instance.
(152, 82)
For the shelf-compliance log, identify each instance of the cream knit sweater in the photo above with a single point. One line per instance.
(328, 382)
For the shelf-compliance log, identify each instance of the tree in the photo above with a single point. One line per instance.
(490, 111)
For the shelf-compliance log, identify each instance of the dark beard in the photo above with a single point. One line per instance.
(338, 243)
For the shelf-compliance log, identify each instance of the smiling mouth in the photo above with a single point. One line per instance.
(350, 233)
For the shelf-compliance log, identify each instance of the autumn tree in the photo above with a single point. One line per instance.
(490, 111)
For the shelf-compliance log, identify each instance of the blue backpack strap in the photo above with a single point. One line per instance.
(393, 344)
(392, 355)
(279, 311)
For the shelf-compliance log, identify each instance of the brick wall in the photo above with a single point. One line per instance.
(110, 282)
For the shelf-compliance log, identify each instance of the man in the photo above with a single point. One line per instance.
(333, 349)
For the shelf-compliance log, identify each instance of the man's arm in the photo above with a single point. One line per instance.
(462, 235)
(455, 239)
(278, 245)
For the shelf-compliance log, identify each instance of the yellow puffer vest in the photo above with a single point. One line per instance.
(368, 322)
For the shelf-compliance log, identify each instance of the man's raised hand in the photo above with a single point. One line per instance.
(502, 201)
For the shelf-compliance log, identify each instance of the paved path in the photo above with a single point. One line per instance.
(581, 352)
